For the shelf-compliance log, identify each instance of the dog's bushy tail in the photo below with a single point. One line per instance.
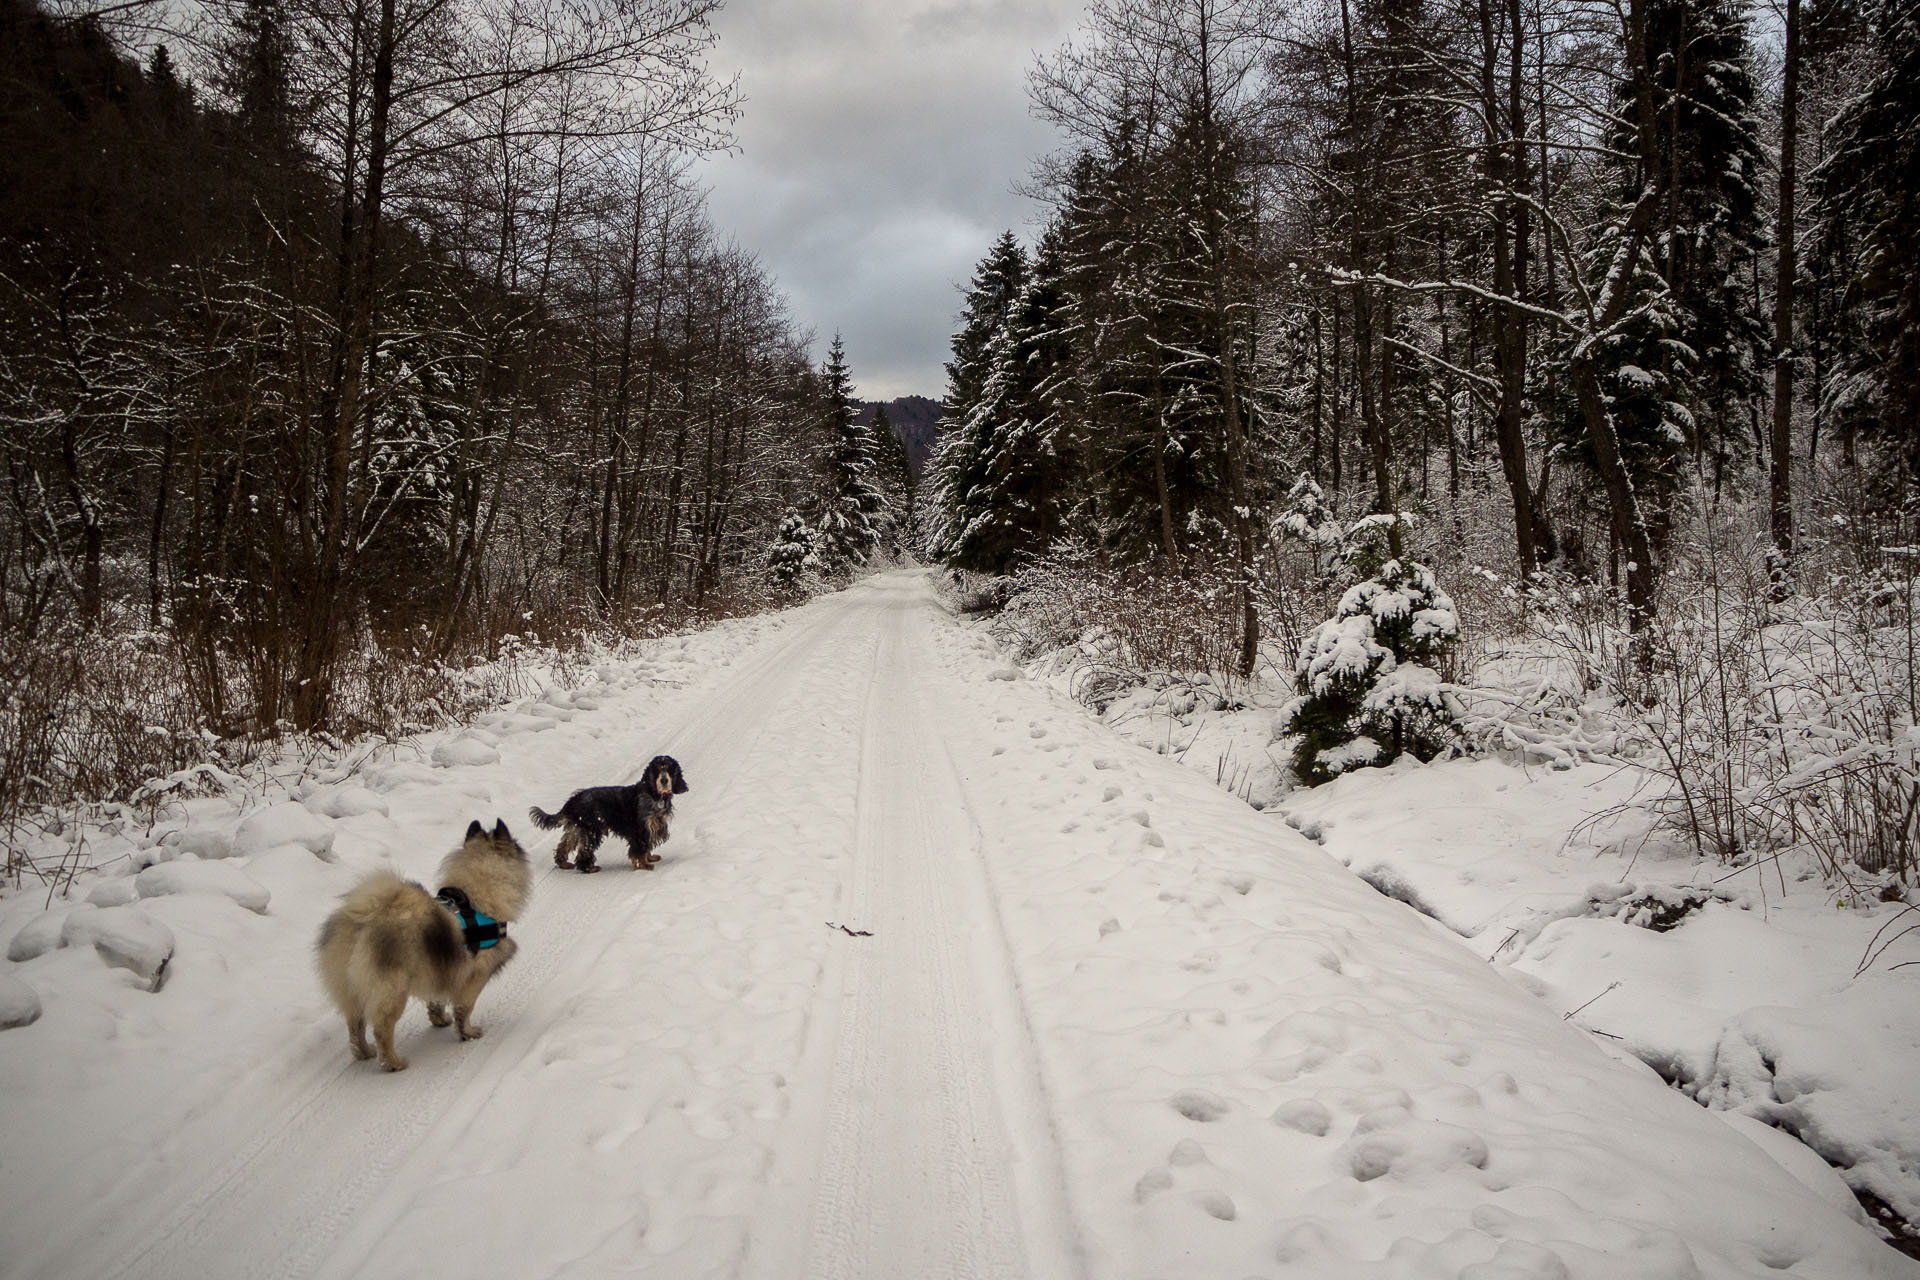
(544, 820)
(387, 930)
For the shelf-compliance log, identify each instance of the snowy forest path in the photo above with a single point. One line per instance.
(920, 1148)
(674, 1052)
(938, 978)
(326, 1140)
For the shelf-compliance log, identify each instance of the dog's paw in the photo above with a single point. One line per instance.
(562, 861)
(471, 1032)
(360, 1052)
(394, 1064)
(437, 1014)
(587, 869)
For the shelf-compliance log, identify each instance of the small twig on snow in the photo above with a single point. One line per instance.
(1569, 1013)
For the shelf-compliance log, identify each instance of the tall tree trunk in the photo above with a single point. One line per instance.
(1169, 545)
(1337, 445)
(1627, 515)
(1510, 334)
(1780, 490)
(158, 529)
(1319, 388)
(1220, 266)
(1379, 448)
(604, 553)
(324, 613)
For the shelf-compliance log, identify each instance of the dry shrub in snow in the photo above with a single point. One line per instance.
(1110, 627)
(969, 592)
(118, 729)
(87, 715)
(1776, 725)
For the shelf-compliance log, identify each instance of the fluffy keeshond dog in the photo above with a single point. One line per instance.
(391, 939)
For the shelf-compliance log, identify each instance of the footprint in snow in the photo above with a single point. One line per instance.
(1186, 1153)
(1152, 1183)
(1304, 1115)
(1198, 1104)
(1215, 1204)
(1111, 793)
(1036, 732)
(1414, 1150)
(1393, 1115)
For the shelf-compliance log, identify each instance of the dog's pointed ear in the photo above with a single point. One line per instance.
(679, 779)
(500, 831)
(475, 829)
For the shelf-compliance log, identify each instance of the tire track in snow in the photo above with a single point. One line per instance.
(378, 1130)
(920, 1066)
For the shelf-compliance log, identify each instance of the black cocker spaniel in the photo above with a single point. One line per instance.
(637, 814)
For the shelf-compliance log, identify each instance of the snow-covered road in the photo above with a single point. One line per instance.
(1087, 1016)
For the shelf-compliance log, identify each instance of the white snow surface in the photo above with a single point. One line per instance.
(19, 1003)
(1752, 1004)
(938, 977)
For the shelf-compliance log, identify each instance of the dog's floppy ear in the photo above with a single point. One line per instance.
(475, 829)
(679, 779)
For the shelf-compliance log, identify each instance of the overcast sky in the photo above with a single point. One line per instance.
(878, 153)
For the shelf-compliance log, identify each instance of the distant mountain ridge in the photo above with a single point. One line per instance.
(915, 419)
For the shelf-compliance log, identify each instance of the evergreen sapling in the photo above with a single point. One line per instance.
(1367, 680)
(793, 552)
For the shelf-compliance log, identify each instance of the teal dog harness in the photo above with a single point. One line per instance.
(479, 930)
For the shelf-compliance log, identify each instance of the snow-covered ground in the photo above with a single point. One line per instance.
(1767, 992)
(939, 977)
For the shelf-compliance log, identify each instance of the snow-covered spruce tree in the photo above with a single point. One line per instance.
(1307, 519)
(956, 468)
(793, 551)
(1020, 464)
(894, 473)
(854, 514)
(1867, 202)
(1137, 320)
(1030, 447)
(1709, 138)
(1367, 680)
(1680, 371)
(996, 285)
(1645, 371)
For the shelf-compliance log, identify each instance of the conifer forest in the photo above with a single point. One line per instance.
(1367, 350)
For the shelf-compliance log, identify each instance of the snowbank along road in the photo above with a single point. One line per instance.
(936, 978)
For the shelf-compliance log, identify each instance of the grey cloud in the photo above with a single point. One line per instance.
(992, 20)
(878, 152)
